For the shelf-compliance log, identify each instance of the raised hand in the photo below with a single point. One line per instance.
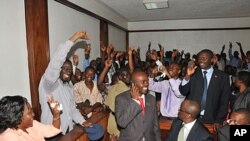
(149, 46)
(190, 70)
(80, 35)
(108, 63)
(54, 107)
(160, 46)
(103, 48)
(215, 59)
(230, 45)
(138, 50)
(162, 52)
(223, 47)
(134, 92)
(130, 51)
(113, 54)
(110, 49)
(239, 44)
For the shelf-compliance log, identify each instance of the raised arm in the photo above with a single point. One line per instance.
(161, 53)
(53, 70)
(230, 50)
(243, 56)
(104, 72)
(130, 59)
(222, 49)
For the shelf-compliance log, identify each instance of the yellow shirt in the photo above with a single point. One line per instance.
(113, 91)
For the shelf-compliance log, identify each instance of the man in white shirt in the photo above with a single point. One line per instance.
(187, 127)
(55, 82)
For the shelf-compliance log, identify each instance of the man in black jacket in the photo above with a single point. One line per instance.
(187, 127)
(209, 86)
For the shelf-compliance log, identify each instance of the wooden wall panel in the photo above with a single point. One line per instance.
(37, 35)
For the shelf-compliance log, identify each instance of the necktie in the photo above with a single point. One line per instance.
(204, 96)
(181, 134)
(141, 104)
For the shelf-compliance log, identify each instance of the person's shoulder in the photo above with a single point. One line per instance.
(10, 135)
(78, 84)
(220, 72)
(202, 128)
(123, 94)
(149, 96)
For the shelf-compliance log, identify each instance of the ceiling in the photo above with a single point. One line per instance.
(134, 10)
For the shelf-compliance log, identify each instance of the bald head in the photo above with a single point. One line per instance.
(192, 107)
(137, 74)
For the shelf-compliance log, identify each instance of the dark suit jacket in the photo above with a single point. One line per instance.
(217, 95)
(198, 132)
(224, 133)
(133, 125)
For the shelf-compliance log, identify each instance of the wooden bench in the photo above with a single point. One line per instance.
(78, 134)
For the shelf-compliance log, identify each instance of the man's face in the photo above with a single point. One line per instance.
(238, 119)
(89, 75)
(126, 77)
(174, 70)
(142, 83)
(183, 111)
(205, 60)
(66, 72)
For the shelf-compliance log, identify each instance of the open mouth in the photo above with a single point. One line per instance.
(202, 64)
(65, 76)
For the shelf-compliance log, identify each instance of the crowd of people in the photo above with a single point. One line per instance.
(205, 89)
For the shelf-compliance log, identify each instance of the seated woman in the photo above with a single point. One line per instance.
(17, 124)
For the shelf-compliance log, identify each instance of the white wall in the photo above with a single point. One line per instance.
(102, 10)
(191, 24)
(190, 41)
(14, 74)
(117, 37)
(64, 22)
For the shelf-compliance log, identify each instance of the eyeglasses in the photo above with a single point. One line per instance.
(232, 122)
(180, 110)
(67, 69)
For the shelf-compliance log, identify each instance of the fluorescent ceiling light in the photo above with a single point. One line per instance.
(155, 4)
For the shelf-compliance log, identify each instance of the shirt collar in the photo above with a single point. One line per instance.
(142, 96)
(208, 70)
(189, 125)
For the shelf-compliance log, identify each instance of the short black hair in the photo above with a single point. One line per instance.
(11, 111)
(207, 51)
(89, 68)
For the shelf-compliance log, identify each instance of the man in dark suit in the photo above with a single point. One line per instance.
(187, 127)
(209, 86)
(136, 113)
